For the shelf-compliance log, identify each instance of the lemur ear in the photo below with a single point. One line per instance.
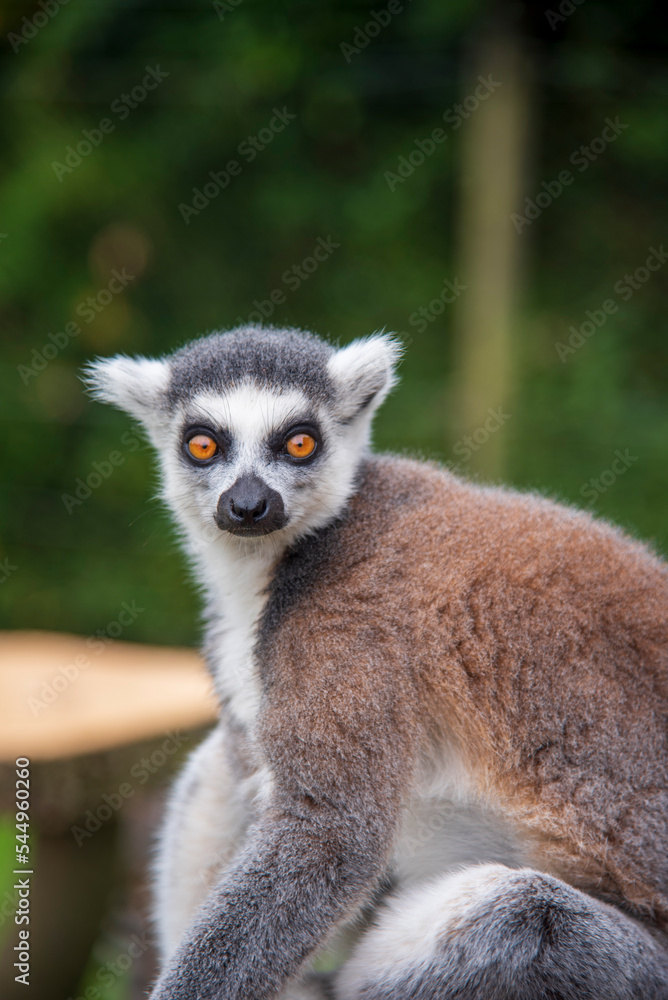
(363, 372)
(136, 385)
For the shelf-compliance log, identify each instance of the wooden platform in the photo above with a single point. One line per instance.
(62, 695)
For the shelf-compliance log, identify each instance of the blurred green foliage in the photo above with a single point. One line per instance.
(7, 877)
(229, 66)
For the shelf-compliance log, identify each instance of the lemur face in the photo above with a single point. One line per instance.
(253, 460)
(259, 432)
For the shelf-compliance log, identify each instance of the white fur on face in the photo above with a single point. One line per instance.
(312, 494)
(362, 374)
(250, 415)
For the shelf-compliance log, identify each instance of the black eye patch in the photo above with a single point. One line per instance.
(194, 426)
(277, 439)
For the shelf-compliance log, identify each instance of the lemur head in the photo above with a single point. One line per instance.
(258, 431)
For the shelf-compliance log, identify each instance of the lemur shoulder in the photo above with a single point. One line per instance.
(444, 707)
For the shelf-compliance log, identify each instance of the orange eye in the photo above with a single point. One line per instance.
(202, 447)
(300, 445)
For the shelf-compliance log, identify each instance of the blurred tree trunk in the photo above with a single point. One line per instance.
(493, 158)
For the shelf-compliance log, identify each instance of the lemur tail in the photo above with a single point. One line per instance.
(503, 934)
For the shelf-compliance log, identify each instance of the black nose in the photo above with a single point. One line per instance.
(246, 509)
(250, 507)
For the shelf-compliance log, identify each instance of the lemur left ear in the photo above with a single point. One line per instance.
(363, 372)
(136, 385)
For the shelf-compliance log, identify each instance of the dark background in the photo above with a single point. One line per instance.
(69, 566)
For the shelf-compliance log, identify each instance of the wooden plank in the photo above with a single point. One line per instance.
(61, 695)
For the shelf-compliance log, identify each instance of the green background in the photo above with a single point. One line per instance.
(322, 176)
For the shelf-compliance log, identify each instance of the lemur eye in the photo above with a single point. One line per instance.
(202, 447)
(300, 445)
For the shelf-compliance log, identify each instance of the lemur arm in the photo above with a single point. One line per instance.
(339, 762)
(295, 880)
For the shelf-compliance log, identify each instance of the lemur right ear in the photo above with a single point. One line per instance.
(136, 385)
(364, 374)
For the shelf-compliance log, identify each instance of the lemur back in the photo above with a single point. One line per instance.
(543, 668)
(444, 707)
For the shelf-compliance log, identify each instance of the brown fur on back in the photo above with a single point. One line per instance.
(528, 636)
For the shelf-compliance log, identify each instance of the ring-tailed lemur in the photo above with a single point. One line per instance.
(444, 706)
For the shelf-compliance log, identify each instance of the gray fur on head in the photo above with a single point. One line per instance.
(266, 357)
